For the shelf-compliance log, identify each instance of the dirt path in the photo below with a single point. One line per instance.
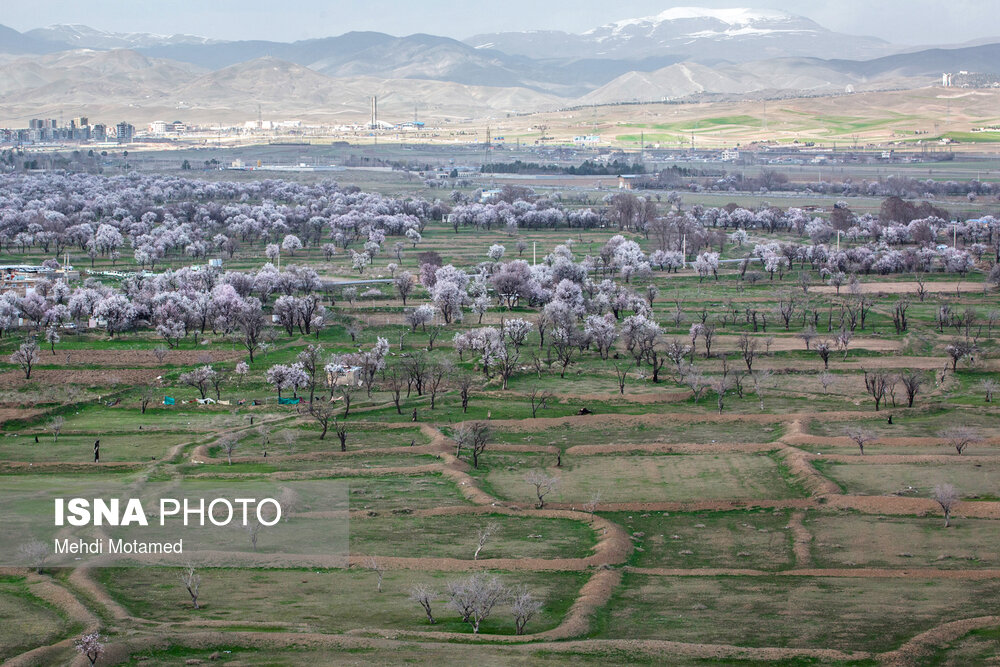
(802, 540)
(912, 651)
(673, 448)
(840, 573)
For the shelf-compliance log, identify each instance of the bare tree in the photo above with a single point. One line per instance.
(860, 436)
(191, 580)
(911, 382)
(160, 352)
(544, 484)
(957, 350)
(591, 505)
(476, 597)
(539, 400)
(748, 348)
(946, 496)
(621, 373)
(340, 428)
(483, 536)
(523, 607)
(474, 436)
(761, 382)
(696, 382)
(424, 596)
(961, 437)
(827, 380)
(228, 443)
(378, 567)
(36, 553)
(56, 426)
(877, 383)
(823, 350)
(323, 412)
(346, 395)
(253, 532)
(26, 357)
(147, 395)
(464, 383)
(989, 386)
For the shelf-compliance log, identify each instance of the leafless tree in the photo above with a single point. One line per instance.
(761, 382)
(989, 386)
(435, 378)
(961, 437)
(877, 383)
(591, 505)
(56, 425)
(807, 336)
(523, 607)
(475, 598)
(191, 580)
(393, 381)
(823, 350)
(911, 382)
(146, 396)
(539, 400)
(36, 553)
(959, 349)
(346, 396)
(827, 380)
(860, 436)
(474, 436)
(483, 536)
(464, 383)
(253, 532)
(721, 385)
(621, 373)
(696, 382)
(946, 496)
(323, 412)
(228, 443)
(160, 352)
(340, 428)
(544, 484)
(378, 567)
(748, 348)
(424, 596)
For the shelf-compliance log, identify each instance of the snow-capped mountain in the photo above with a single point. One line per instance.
(695, 34)
(85, 37)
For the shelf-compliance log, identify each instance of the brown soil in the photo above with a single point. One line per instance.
(92, 378)
(904, 288)
(137, 358)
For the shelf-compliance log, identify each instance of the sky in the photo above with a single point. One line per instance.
(916, 22)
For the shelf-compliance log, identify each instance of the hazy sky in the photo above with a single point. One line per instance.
(899, 21)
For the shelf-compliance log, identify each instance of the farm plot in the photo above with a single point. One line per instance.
(756, 539)
(28, 621)
(449, 536)
(322, 600)
(858, 540)
(621, 479)
(852, 614)
(974, 479)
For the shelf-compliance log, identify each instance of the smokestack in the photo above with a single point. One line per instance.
(374, 113)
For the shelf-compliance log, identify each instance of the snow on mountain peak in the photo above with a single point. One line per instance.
(735, 16)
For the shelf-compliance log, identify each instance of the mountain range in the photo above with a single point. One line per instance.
(680, 53)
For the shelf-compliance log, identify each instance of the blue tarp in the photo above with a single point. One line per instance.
(289, 401)
(169, 400)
